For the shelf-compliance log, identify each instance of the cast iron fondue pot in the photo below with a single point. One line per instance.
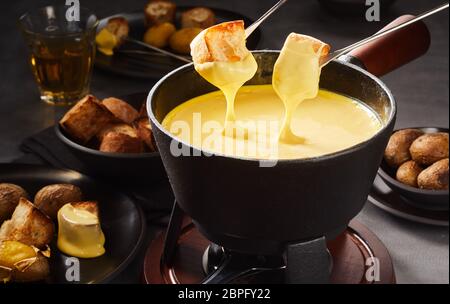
(239, 205)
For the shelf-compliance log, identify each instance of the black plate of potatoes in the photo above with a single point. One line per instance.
(135, 61)
(30, 197)
(416, 166)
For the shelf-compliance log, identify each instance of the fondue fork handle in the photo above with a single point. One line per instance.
(392, 51)
(403, 38)
(249, 30)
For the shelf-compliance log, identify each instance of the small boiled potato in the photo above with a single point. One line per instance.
(430, 148)
(51, 198)
(408, 172)
(159, 35)
(397, 150)
(10, 195)
(180, 42)
(434, 177)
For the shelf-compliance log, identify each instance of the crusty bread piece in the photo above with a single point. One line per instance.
(119, 27)
(318, 45)
(28, 225)
(10, 195)
(145, 133)
(223, 42)
(118, 128)
(115, 142)
(200, 17)
(159, 11)
(121, 109)
(90, 206)
(86, 119)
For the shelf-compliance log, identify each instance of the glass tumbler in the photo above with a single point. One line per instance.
(62, 52)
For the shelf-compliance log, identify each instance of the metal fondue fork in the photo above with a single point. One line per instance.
(248, 31)
(327, 59)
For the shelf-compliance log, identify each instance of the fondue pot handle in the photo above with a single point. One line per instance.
(396, 49)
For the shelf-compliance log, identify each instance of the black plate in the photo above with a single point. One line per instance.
(420, 198)
(156, 66)
(122, 221)
(122, 167)
(390, 201)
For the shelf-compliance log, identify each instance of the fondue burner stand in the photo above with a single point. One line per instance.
(184, 256)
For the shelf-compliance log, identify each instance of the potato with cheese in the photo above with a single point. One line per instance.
(22, 263)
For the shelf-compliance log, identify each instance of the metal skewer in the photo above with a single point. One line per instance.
(325, 60)
(153, 48)
(249, 30)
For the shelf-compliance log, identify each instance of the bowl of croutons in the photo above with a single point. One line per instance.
(416, 165)
(112, 138)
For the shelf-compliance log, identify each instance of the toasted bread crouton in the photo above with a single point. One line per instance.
(223, 42)
(86, 119)
(119, 27)
(121, 109)
(90, 206)
(200, 17)
(159, 11)
(318, 46)
(115, 142)
(10, 195)
(28, 225)
(118, 128)
(145, 133)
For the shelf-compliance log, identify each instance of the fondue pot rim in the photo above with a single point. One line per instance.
(343, 152)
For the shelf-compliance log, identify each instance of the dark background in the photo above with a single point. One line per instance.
(420, 252)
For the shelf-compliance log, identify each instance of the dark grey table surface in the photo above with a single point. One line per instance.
(420, 252)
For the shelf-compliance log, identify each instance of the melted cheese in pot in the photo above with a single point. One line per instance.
(291, 119)
(79, 233)
(229, 77)
(327, 123)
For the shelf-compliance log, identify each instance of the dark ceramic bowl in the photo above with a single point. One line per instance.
(426, 199)
(145, 167)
